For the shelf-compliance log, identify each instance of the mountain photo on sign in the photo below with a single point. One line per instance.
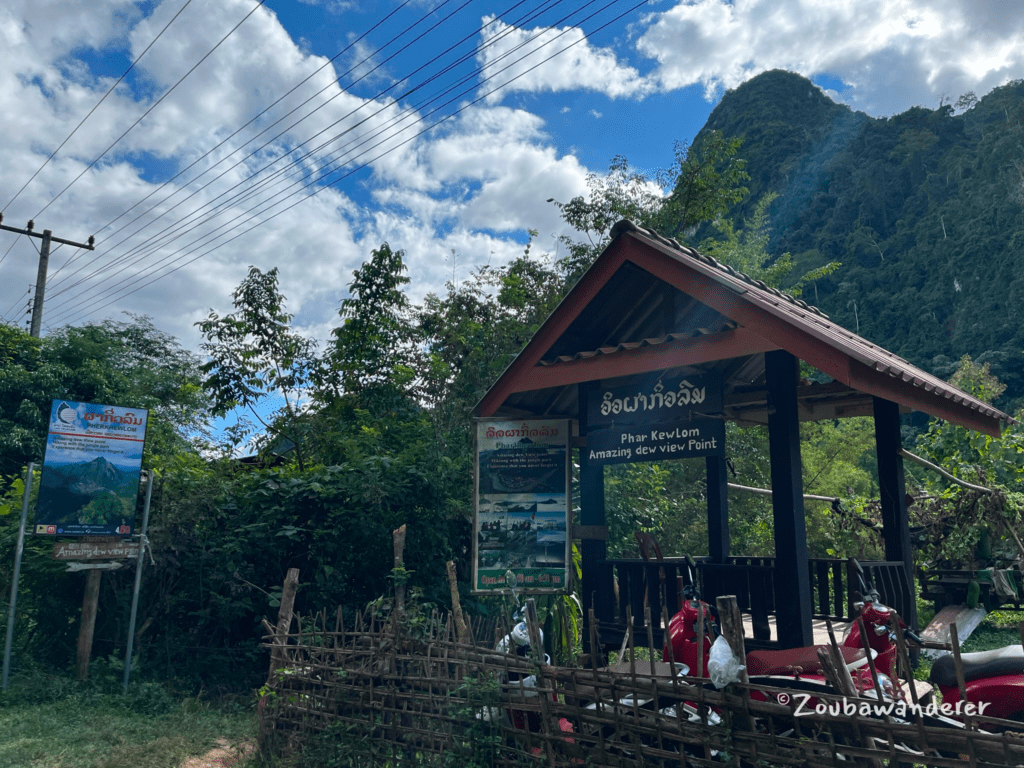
(91, 471)
(88, 493)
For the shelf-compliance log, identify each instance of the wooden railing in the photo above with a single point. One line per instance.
(656, 585)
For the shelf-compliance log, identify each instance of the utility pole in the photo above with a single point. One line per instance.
(44, 259)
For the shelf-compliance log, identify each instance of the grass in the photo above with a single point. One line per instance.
(53, 722)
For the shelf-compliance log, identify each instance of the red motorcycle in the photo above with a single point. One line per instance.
(802, 663)
(994, 683)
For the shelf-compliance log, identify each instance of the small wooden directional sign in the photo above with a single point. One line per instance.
(95, 550)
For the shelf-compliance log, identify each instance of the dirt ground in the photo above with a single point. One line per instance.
(224, 755)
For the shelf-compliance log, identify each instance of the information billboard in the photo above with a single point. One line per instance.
(91, 470)
(523, 505)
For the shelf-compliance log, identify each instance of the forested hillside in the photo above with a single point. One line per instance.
(925, 211)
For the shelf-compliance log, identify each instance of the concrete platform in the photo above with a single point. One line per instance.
(819, 628)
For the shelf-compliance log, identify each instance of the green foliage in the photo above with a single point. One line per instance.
(111, 363)
(995, 463)
(371, 348)
(705, 179)
(747, 251)
(254, 354)
(925, 210)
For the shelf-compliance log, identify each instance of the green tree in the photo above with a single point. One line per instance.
(705, 179)
(747, 251)
(130, 364)
(370, 355)
(255, 356)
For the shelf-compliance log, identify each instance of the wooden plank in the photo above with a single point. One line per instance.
(724, 345)
(95, 550)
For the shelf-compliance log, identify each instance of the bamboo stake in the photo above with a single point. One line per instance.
(398, 537)
(461, 628)
(284, 620)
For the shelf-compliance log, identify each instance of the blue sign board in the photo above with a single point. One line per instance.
(91, 470)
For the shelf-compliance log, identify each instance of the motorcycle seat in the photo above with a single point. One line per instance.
(982, 664)
(782, 662)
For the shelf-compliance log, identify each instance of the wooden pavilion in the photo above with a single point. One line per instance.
(652, 310)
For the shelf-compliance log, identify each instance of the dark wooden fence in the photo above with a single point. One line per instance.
(655, 585)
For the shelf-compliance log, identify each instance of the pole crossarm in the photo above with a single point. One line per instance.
(90, 245)
(46, 236)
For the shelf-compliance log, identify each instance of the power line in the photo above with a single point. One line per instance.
(28, 292)
(166, 93)
(140, 249)
(254, 152)
(248, 193)
(254, 118)
(266, 204)
(13, 242)
(141, 276)
(82, 122)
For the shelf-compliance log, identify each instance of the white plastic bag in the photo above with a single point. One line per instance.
(723, 666)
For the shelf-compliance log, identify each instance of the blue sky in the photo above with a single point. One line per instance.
(461, 194)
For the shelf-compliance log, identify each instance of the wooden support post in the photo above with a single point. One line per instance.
(893, 497)
(718, 509)
(592, 513)
(88, 625)
(792, 578)
(284, 620)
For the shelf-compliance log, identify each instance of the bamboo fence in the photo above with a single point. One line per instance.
(376, 693)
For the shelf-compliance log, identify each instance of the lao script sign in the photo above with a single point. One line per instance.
(523, 502)
(91, 470)
(653, 400)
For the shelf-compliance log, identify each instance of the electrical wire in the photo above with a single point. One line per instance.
(104, 98)
(585, 36)
(153, 243)
(256, 151)
(256, 117)
(166, 93)
(142, 274)
(13, 242)
(14, 306)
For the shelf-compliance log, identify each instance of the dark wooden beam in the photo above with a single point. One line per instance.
(718, 509)
(670, 354)
(593, 591)
(792, 578)
(893, 493)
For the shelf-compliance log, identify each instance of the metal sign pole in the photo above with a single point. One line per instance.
(17, 573)
(138, 580)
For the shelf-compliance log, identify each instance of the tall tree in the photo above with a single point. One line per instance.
(370, 354)
(255, 357)
(704, 180)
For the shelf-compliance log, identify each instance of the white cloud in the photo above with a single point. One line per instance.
(891, 55)
(516, 59)
(472, 186)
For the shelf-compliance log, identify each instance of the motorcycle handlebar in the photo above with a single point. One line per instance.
(910, 635)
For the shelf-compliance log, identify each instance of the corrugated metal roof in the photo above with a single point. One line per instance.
(621, 306)
(812, 320)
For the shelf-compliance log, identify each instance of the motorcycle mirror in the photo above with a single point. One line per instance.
(510, 579)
